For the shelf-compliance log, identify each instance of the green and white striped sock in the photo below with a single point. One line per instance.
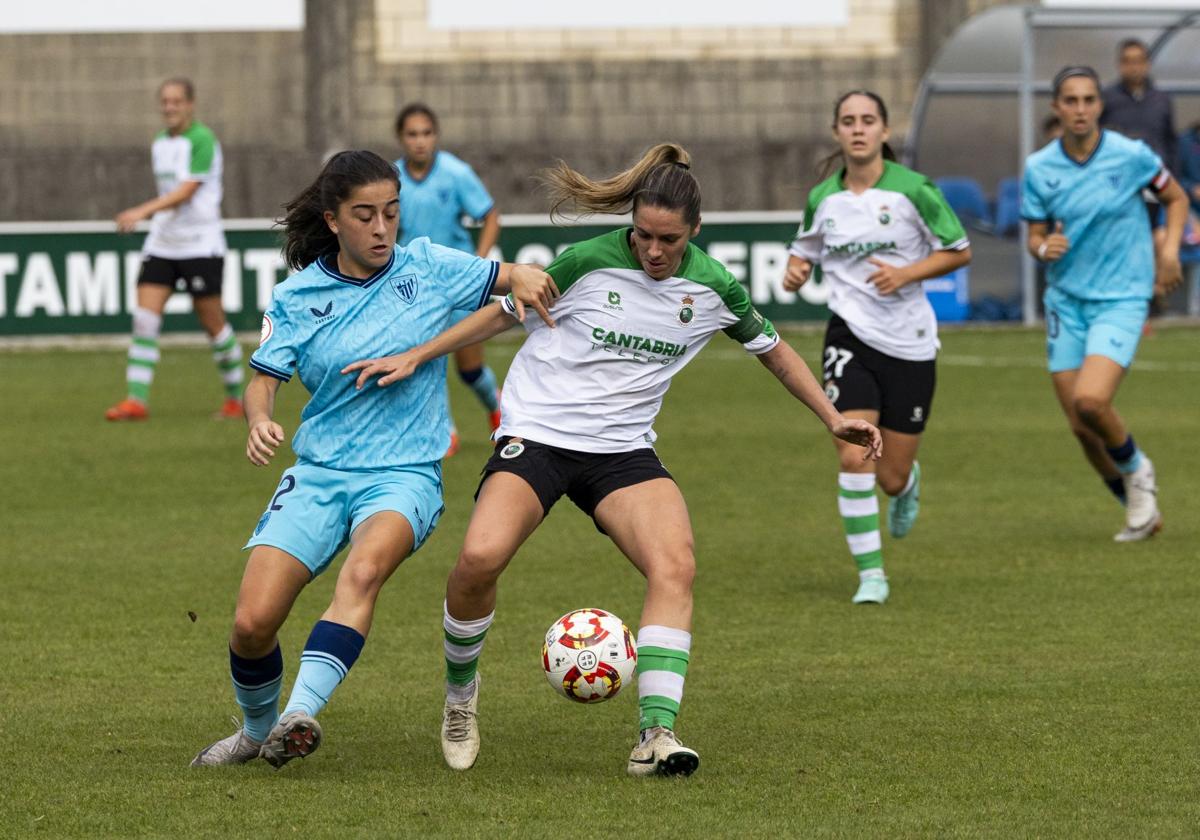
(227, 353)
(142, 358)
(859, 507)
(661, 668)
(463, 644)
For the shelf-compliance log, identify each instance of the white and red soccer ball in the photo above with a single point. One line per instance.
(589, 655)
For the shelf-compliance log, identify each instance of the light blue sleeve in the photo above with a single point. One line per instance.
(473, 196)
(467, 279)
(1147, 165)
(276, 353)
(1033, 208)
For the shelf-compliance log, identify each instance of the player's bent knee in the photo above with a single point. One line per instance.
(365, 576)
(1090, 409)
(253, 633)
(676, 571)
(479, 563)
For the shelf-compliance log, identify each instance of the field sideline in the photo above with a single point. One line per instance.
(1028, 678)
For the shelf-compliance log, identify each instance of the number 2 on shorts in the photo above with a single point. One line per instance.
(286, 486)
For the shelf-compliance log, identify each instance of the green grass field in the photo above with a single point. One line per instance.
(1029, 677)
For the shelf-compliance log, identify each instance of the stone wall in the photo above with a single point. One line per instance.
(77, 112)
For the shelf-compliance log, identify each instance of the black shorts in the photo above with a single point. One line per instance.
(585, 477)
(199, 276)
(860, 377)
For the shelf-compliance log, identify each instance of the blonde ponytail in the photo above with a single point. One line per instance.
(662, 178)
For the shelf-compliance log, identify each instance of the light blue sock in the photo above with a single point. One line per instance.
(330, 651)
(1127, 456)
(256, 685)
(483, 382)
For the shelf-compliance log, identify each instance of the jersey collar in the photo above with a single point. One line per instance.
(1082, 163)
(328, 264)
(432, 166)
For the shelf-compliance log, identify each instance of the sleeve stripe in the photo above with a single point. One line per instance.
(270, 371)
(490, 286)
(957, 245)
(489, 209)
(1159, 182)
(1035, 220)
(762, 343)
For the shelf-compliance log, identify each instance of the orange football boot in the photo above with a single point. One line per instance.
(128, 409)
(231, 409)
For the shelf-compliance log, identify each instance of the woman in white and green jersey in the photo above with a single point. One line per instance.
(877, 229)
(578, 408)
(184, 252)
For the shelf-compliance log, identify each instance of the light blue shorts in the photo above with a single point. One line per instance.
(316, 509)
(1076, 328)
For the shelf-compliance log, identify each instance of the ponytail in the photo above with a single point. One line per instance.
(662, 178)
(305, 232)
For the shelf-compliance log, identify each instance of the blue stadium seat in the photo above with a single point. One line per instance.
(966, 198)
(1008, 207)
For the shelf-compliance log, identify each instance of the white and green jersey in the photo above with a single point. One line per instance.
(596, 381)
(192, 229)
(901, 220)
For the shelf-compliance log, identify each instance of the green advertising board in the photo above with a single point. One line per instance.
(80, 277)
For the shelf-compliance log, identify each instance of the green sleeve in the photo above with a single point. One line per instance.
(564, 269)
(937, 215)
(750, 324)
(204, 146)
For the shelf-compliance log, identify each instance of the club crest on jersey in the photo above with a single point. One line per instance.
(406, 288)
(885, 218)
(512, 450)
(1053, 183)
(686, 313)
(829, 224)
(1115, 180)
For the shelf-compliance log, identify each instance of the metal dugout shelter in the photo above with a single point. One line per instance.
(979, 108)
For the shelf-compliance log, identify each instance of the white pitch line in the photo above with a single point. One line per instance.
(955, 360)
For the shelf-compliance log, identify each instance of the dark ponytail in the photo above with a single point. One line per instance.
(306, 235)
(835, 161)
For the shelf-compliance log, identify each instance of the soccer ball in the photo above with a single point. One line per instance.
(589, 655)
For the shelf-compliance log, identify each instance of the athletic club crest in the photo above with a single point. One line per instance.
(406, 288)
(885, 217)
(686, 313)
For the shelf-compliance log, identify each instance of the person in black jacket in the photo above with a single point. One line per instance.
(1139, 110)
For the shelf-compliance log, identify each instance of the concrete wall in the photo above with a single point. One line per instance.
(77, 112)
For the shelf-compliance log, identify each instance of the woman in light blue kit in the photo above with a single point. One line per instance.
(1087, 223)
(367, 470)
(440, 190)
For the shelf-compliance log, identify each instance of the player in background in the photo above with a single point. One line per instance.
(1082, 199)
(439, 190)
(877, 229)
(1135, 107)
(184, 251)
(578, 410)
(367, 469)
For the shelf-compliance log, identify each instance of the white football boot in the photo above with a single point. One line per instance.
(1142, 518)
(296, 735)
(658, 752)
(460, 731)
(236, 749)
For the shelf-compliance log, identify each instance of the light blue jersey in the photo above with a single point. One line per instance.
(320, 320)
(1111, 254)
(435, 205)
